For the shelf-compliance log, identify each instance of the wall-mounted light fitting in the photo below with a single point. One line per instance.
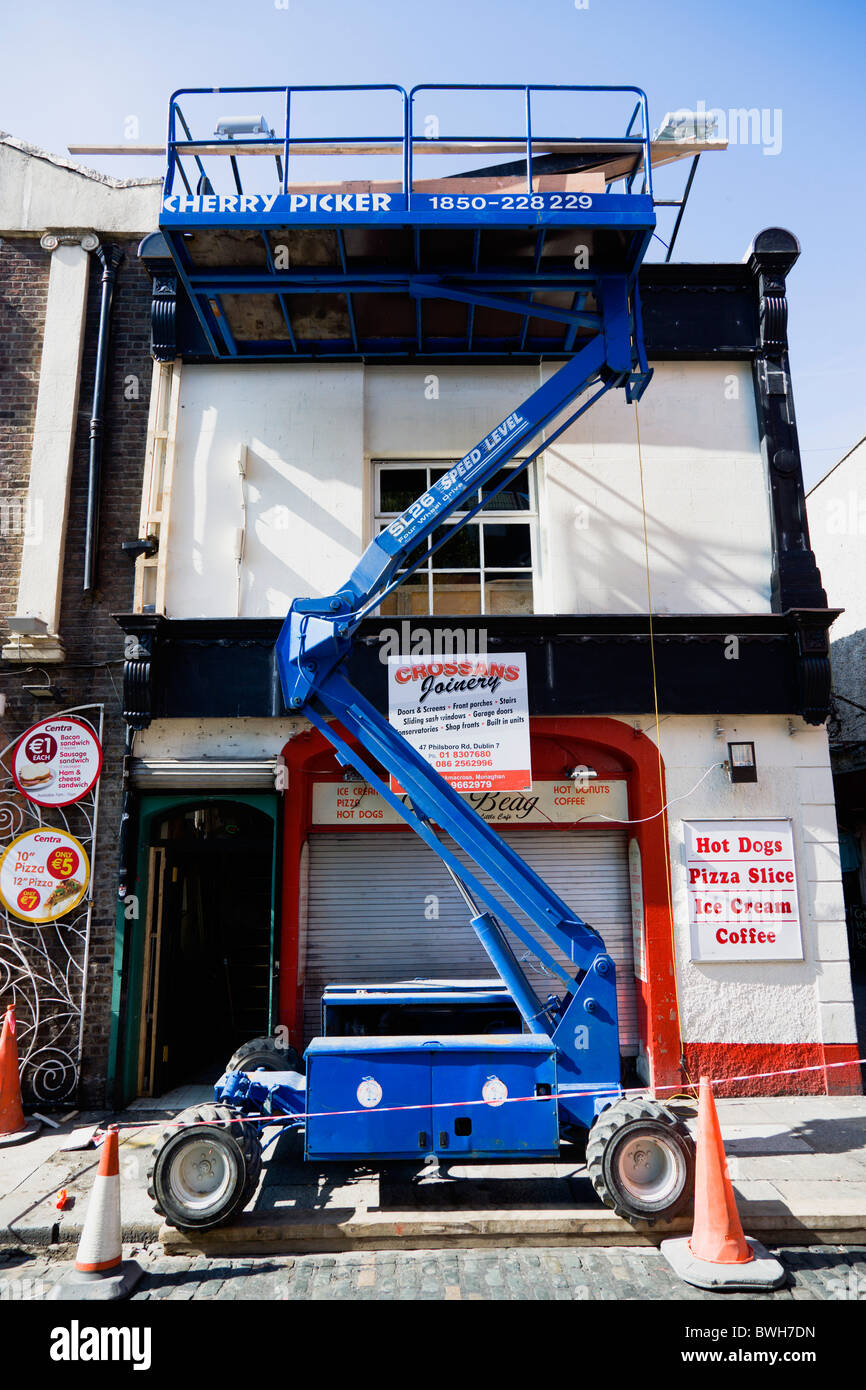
(741, 762)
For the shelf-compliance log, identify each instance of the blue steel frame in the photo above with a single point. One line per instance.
(505, 288)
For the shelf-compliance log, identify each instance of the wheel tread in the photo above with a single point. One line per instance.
(244, 1133)
(284, 1058)
(608, 1123)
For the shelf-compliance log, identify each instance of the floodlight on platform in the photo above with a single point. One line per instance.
(230, 126)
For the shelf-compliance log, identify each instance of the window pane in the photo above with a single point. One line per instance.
(461, 552)
(400, 486)
(506, 546)
(514, 499)
(410, 600)
(508, 593)
(457, 593)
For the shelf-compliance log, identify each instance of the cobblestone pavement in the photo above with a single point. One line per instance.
(584, 1274)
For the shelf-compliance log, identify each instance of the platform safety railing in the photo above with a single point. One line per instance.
(402, 140)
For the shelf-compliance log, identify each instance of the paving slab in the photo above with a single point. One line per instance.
(803, 1167)
(743, 1140)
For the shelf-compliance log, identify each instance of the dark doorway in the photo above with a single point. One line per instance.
(208, 943)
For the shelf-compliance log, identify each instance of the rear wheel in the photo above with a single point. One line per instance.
(641, 1160)
(268, 1054)
(205, 1168)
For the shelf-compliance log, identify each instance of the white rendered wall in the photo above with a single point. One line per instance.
(778, 1002)
(39, 190)
(311, 433)
(707, 501)
(837, 526)
(303, 496)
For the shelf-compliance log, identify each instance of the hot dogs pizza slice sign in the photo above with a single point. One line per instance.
(44, 874)
(57, 761)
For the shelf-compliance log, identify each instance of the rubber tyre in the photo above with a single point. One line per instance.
(267, 1054)
(619, 1167)
(236, 1147)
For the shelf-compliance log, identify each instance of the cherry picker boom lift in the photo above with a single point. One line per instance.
(481, 1092)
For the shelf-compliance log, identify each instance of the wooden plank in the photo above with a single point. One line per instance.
(145, 1074)
(156, 967)
(663, 151)
(147, 480)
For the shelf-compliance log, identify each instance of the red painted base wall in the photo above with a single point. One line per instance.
(749, 1060)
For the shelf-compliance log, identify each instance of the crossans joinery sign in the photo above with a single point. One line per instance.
(469, 717)
(742, 890)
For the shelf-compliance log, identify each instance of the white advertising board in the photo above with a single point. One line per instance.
(468, 717)
(742, 890)
(358, 803)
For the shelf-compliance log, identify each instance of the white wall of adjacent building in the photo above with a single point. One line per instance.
(309, 434)
(837, 526)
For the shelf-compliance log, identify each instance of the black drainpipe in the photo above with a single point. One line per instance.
(110, 258)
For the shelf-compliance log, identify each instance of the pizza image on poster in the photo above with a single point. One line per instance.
(57, 761)
(44, 874)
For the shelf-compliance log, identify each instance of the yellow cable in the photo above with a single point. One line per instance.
(659, 746)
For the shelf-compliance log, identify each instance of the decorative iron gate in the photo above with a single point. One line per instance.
(43, 967)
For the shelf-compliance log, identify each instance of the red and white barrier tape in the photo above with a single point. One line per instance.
(572, 1092)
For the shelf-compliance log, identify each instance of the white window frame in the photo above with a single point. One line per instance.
(528, 517)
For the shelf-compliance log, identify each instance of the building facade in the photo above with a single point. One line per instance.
(653, 566)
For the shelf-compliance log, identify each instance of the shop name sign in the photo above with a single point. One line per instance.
(468, 718)
(312, 205)
(357, 803)
(742, 890)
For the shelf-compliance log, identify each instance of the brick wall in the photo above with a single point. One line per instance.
(94, 643)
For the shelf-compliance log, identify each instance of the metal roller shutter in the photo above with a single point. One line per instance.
(368, 895)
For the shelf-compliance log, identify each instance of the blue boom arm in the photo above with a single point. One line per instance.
(316, 639)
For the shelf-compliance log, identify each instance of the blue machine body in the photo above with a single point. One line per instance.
(407, 1097)
(569, 1044)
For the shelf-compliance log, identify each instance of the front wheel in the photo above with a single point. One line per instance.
(265, 1054)
(641, 1160)
(205, 1168)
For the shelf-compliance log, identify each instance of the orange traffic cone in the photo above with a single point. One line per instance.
(13, 1125)
(717, 1234)
(100, 1270)
(718, 1255)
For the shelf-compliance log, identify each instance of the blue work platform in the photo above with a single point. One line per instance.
(496, 262)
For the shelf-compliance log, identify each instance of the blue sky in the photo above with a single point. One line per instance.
(78, 71)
